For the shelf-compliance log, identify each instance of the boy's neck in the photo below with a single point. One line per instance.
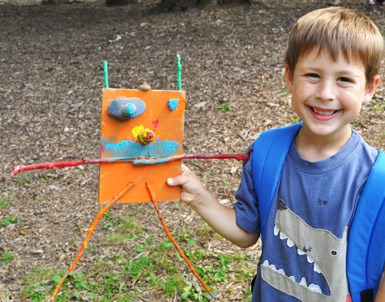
(316, 148)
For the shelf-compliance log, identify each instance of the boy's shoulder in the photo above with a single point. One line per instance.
(370, 149)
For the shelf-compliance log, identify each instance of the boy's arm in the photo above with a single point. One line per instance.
(380, 297)
(221, 218)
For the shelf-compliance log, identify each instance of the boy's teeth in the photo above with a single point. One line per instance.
(323, 112)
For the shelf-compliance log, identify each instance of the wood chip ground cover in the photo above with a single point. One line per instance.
(51, 82)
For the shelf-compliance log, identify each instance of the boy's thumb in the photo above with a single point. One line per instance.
(170, 182)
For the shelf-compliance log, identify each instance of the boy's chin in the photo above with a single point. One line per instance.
(328, 130)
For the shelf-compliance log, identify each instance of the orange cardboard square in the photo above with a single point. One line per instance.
(134, 131)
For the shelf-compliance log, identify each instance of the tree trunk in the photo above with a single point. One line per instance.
(177, 5)
(117, 2)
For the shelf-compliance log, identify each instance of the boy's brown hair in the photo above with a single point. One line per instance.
(337, 29)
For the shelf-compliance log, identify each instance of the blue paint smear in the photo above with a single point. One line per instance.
(149, 162)
(130, 149)
(172, 104)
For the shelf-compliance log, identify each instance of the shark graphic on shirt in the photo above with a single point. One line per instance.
(324, 252)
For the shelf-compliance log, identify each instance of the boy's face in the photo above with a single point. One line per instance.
(328, 95)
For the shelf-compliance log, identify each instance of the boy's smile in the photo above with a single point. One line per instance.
(323, 114)
(328, 94)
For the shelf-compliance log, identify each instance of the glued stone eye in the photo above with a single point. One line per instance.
(126, 108)
(334, 252)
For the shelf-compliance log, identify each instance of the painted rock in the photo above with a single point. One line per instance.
(126, 108)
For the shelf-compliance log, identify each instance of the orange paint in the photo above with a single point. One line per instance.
(114, 132)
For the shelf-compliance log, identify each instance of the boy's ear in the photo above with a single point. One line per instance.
(288, 78)
(371, 89)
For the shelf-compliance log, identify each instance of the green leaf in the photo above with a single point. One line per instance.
(56, 278)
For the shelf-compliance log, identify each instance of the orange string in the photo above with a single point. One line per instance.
(193, 270)
(90, 231)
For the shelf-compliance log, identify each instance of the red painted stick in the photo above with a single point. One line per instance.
(58, 164)
(136, 161)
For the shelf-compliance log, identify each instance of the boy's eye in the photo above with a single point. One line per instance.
(344, 79)
(313, 75)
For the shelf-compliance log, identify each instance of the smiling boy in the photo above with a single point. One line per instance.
(332, 69)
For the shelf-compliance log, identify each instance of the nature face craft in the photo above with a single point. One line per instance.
(140, 124)
(140, 129)
(141, 146)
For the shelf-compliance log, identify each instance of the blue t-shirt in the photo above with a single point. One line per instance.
(304, 253)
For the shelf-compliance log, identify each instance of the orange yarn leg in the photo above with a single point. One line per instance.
(193, 270)
(90, 231)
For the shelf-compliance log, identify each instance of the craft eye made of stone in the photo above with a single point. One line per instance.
(334, 252)
(126, 108)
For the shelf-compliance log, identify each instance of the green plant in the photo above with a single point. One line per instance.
(286, 93)
(24, 180)
(41, 283)
(294, 118)
(3, 203)
(107, 225)
(6, 257)
(108, 215)
(111, 284)
(224, 107)
(9, 220)
(172, 285)
(128, 224)
(380, 106)
(116, 238)
(46, 177)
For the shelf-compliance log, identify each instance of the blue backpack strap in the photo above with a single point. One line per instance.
(366, 245)
(268, 156)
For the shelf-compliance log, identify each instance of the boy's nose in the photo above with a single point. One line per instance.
(326, 91)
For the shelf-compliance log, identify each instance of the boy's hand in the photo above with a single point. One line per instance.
(192, 190)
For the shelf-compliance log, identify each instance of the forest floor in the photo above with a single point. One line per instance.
(51, 83)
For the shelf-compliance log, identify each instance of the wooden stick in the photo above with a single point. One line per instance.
(135, 161)
(90, 231)
(193, 270)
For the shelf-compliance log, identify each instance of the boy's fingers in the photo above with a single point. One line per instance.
(181, 180)
(186, 176)
(176, 181)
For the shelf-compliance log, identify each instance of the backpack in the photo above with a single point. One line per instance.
(366, 241)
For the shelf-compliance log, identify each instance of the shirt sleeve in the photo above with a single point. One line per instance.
(246, 207)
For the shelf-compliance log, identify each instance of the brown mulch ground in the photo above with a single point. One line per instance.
(51, 81)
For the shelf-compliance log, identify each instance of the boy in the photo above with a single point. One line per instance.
(331, 69)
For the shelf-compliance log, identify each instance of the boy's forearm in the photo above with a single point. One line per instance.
(223, 220)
